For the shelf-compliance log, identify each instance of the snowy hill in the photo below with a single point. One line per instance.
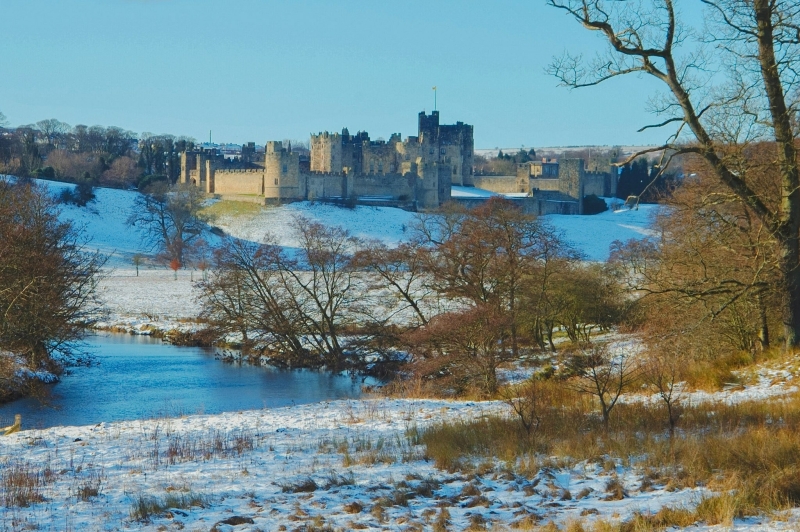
(105, 223)
(158, 298)
(593, 235)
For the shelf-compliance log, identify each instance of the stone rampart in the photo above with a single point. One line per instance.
(320, 185)
(545, 184)
(396, 186)
(239, 181)
(594, 183)
(501, 184)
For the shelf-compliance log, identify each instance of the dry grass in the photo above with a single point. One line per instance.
(189, 447)
(21, 484)
(144, 507)
(749, 453)
(306, 485)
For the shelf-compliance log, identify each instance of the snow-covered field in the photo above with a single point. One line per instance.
(156, 299)
(593, 235)
(386, 224)
(348, 464)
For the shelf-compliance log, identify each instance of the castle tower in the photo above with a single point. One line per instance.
(429, 127)
(282, 173)
(184, 177)
(326, 152)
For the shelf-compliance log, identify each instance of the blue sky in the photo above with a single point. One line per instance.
(261, 70)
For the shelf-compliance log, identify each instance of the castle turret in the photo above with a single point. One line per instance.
(429, 127)
(282, 173)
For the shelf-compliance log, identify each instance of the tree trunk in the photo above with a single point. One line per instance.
(763, 326)
(788, 216)
(791, 303)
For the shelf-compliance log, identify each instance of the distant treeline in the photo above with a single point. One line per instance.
(107, 156)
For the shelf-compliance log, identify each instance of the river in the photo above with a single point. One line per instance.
(137, 377)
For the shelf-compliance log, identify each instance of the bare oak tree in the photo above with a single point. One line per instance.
(757, 44)
(170, 220)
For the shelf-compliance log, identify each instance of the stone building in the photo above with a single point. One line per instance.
(556, 186)
(416, 172)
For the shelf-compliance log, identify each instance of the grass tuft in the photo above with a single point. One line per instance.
(145, 507)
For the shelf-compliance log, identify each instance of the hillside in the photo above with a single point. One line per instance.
(347, 465)
(105, 224)
(156, 299)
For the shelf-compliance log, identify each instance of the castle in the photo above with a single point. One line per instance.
(416, 172)
(554, 186)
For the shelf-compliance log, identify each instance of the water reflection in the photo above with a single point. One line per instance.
(136, 377)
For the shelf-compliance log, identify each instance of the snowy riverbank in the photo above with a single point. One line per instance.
(347, 464)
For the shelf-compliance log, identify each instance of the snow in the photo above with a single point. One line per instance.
(356, 450)
(246, 464)
(105, 221)
(470, 192)
(387, 224)
(593, 235)
(153, 299)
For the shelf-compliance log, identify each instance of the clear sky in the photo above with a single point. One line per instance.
(258, 70)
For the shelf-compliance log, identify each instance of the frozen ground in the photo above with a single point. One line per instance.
(259, 465)
(348, 464)
(387, 224)
(593, 235)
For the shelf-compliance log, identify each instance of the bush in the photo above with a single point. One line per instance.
(81, 195)
(45, 173)
(148, 180)
(594, 205)
(47, 281)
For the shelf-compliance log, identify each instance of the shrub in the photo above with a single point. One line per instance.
(593, 205)
(48, 280)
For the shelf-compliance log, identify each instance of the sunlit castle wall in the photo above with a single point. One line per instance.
(282, 180)
(239, 181)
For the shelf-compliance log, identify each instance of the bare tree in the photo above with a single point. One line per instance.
(122, 173)
(662, 370)
(170, 220)
(604, 375)
(462, 348)
(297, 309)
(527, 402)
(587, 298)
(400, 280)
(757, 44)
(713, 263)
(325, 285)
(485, 256)
(53, 130)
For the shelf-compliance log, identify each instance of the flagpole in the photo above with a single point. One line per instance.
(434, 97)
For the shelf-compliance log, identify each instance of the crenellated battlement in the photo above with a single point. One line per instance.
(419, 168)
(240, 171)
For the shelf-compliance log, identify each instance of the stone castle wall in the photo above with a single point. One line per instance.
(595, 184)
(245, 181)
(558, 187)
(322, 185)
(502, 184)
(395, 185)
(419, 169)
(545, 184)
